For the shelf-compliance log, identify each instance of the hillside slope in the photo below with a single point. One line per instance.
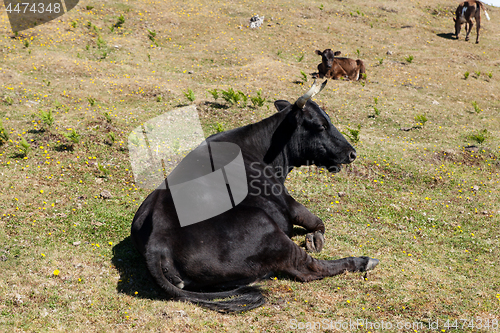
(423, 195)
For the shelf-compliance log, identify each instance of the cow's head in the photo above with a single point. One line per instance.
(327, 57)
(310, 135)
(458, 25)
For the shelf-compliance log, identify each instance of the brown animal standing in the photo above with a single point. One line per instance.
(464, 14)
(337, 68)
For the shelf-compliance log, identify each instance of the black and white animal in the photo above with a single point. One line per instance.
(464, 14)
(251, 240)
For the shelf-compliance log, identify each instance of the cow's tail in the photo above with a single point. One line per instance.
(239, 300)
(484, 8)
(362, 69)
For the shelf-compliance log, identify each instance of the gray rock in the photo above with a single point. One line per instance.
(105, 194)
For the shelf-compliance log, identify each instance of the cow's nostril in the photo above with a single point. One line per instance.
(352, 156)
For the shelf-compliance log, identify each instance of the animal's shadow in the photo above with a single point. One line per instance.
(314, 76)
(36, 131)
(447, 35)
(216, 105)
(135, 279)
(64, 147)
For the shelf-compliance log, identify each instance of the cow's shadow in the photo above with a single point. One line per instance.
(135, 279)
(448, 35)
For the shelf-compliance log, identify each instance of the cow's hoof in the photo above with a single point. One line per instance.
(466, 39)
(315, 241)
(372, 263)
(477, 42)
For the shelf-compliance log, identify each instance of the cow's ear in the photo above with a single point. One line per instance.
(337, 53)
(281, 105)
(318, 52)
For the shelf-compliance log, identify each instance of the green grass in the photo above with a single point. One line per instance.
(421, 119)
(476, 107)
(47, 117)
(353, 134)
(479, 136)
(189, 95)
(423, 201)
(303, 76)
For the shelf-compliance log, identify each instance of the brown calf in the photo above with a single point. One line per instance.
(337, 68)
(465, 12)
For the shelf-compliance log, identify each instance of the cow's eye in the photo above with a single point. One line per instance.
(325, 127)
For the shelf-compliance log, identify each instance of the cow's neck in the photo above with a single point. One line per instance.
(267, 142)
(275, 136)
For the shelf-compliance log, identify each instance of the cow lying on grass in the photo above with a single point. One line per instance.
(464, 14)
(335, 68)
(251, 240)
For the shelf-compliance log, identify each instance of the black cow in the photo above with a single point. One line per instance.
(251, 240)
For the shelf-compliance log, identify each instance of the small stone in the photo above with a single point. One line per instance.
(105, 194)
(475, 188)
(18, 299)
(98, 180)
(190, 72)
(389, 52)
(181, 313)
(435, 102)
(341, 194)
(485, 212)
(77, 243)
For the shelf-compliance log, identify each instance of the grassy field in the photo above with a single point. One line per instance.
(423, 195)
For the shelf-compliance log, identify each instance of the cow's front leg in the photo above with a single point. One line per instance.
(468, 28)
(304, 218)
(315, 241)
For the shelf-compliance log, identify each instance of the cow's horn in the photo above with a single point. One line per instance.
(301, 102)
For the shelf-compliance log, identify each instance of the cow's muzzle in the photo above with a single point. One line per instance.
(352, 156)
